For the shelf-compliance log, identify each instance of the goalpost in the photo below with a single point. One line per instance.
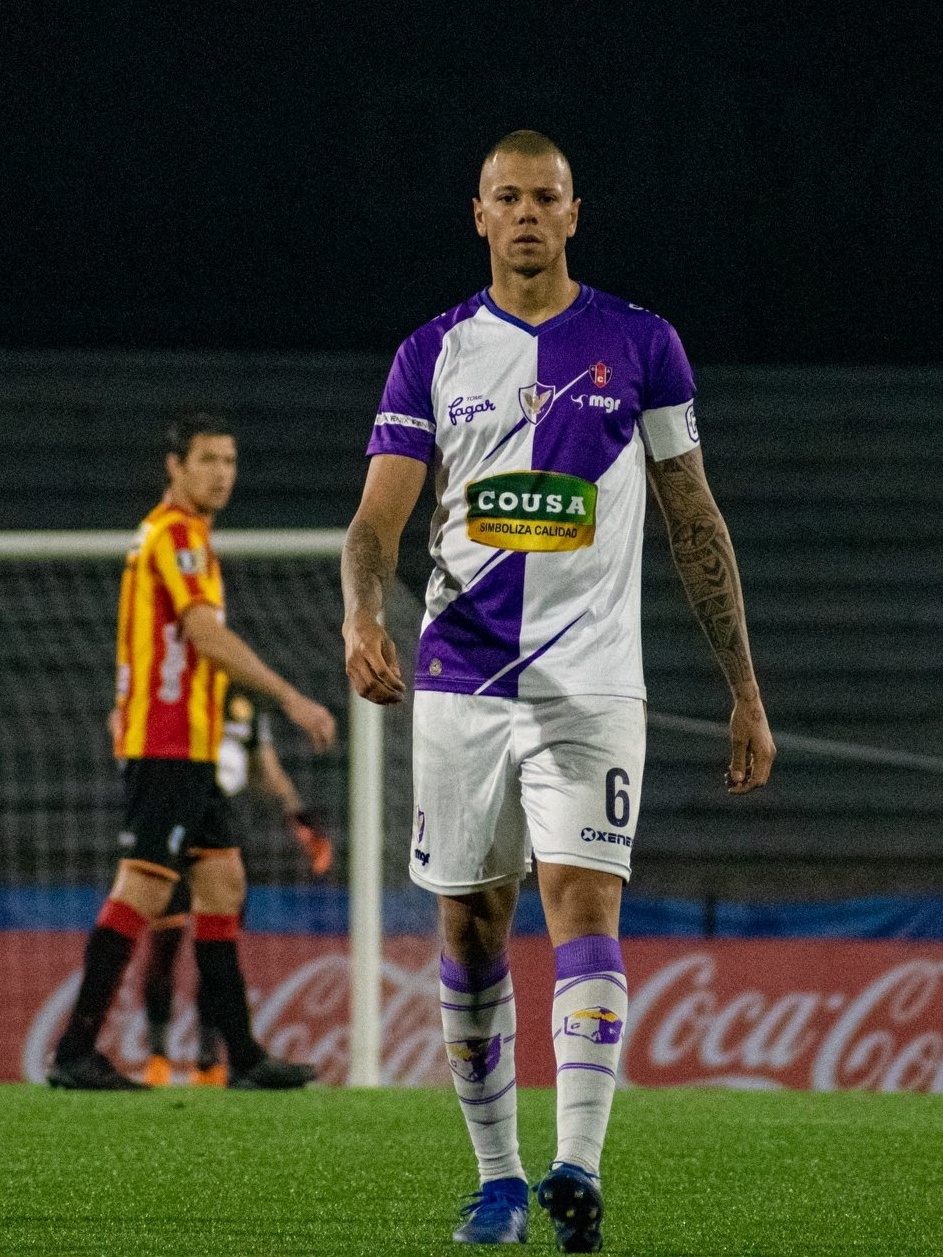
(30, 620)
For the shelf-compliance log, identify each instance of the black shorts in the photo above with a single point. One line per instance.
(174, 812)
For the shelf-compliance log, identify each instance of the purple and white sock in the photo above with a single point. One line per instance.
(479, 1023)
(590, 1003)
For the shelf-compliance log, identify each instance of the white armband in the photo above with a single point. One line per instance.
(669, 431)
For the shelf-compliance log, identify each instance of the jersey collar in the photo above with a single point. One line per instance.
(581, 299)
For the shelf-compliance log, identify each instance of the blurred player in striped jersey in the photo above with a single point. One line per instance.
(248, 760)
(174, 656)
(542, 404)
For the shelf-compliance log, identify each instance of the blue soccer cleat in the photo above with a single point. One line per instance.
(572, 1198)
(496, 1215)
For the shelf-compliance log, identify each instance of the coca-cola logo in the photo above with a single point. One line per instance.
(304, 1017)
(680, 1029)
(693, 1019)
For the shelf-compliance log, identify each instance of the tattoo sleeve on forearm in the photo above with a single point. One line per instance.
(703, 554)
(365, 570)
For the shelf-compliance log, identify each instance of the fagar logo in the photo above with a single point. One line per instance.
(467, 407)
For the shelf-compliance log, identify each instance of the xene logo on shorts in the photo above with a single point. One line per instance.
(588, 834)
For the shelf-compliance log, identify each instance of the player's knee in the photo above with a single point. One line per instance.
(477, 927)
(579, 901)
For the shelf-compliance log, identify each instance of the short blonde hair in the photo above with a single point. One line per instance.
(529, 143)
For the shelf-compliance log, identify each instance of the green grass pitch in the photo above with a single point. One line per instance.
(327, 1171)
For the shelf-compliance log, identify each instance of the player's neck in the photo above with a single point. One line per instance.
(176, 497)
(533, 298)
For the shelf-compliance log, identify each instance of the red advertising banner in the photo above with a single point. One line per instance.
(809, 1014)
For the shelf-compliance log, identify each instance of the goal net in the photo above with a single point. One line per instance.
(62, 798)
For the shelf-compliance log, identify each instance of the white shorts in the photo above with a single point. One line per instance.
(497, 780)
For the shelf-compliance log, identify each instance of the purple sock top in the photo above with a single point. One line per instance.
(594, 953)
(471, 978)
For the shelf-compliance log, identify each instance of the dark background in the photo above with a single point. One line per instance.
(247, 208)
(298, 176)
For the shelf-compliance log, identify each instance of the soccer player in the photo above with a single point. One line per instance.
(174, 656)
(247, 757)
(541, 403)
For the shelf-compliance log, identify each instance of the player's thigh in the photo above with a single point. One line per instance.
(217, 873)
(468, 827)
(218, 883)
(178, 907)
(144, 887)
(582, 782)
(166, 802)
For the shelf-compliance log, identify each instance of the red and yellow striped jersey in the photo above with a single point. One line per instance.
(170, 698)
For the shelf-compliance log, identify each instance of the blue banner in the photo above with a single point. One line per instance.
(324, 910)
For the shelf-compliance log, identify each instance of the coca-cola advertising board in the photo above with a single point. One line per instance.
(768, 1014)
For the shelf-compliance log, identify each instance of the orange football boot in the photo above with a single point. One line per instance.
(214, 1076)
(157, 1072)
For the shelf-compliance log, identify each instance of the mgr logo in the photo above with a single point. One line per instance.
(532, 510)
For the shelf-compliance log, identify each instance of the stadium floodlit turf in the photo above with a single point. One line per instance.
(201, 1171)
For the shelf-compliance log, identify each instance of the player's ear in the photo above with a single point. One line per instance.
(479, 213)
(574, 216)
(172, 464)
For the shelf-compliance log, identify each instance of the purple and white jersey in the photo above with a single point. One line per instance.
(537, 437)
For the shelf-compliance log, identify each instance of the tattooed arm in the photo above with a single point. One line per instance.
(703, 555)
(368, 565)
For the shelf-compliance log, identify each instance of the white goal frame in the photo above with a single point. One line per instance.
(365, 766)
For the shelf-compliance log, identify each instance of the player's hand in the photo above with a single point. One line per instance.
(752, 749)
(316, 721)
(371, 662)
(316, 844)
(115, 721)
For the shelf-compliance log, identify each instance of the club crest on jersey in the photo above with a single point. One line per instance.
(536, 400)
(600, 374)
(192, 562)
(599, 1025)
(474, 1059)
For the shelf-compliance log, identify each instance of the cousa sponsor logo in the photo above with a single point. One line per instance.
(532, 510)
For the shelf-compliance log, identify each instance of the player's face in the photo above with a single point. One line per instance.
(203, 481)
(526, 211)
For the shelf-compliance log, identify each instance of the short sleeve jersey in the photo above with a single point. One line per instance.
(537, 437)
(169, 698)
